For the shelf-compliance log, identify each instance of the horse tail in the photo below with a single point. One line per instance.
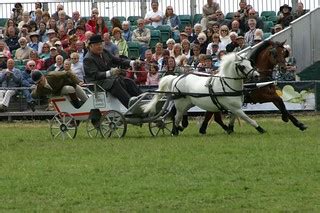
(164, 86)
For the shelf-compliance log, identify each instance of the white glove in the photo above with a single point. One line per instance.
(115, 71)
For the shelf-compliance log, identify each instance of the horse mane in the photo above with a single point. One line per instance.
(264, 45)
(226, 63)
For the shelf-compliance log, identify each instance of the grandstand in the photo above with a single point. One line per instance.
(189, 13)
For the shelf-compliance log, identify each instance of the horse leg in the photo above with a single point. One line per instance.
(278, 102)
(218, 120)
(204, 125)
(185, 122)
(180, 109)
(231, 123)
(241, 114)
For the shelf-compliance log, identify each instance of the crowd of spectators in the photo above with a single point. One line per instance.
(36, 40)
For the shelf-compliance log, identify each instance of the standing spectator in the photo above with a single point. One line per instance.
(249, 36)
(126, 32)
(17, 12)
(100, 27)
(75, 18)
(93, 20)
(300, 11)
(154, 17)
(209, 13)
(108, 45)
(120, 42)
(77, 66)
(173, 21)
(12, 39)
(10, 77)
(285, 16)
(23, 52)
(56, 14)
(142, 35)
(37, 5)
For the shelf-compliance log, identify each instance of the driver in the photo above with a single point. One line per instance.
(98, 66)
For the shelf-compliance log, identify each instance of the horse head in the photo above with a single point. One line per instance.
(277, 53)
(244, 67)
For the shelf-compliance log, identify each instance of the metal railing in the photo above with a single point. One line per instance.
(139, 7)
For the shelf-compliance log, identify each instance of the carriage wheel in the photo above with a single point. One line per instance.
(93, 130)
(64, 126)
(160, 127)
(113, 124)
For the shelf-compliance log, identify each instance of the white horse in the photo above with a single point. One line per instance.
(223, 91)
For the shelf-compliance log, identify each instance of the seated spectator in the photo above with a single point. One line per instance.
(70, 30)
(170, 43)
(17, 12)
(80, 33)
(158, 52)
(108, 45)
(238, 22)
(209, 32)
(46, 17)
(126, 32)
(148, 57)
(209, 13)
(163, 61)
(4, 50)
(55, 15)
(62, 22)
(186, 48)
(171, 68)
(241, 44)
(63, 37)
(138, 74)
(42, 32)
(12, 39)
(253, 15)
(173, 21)
(58, 83)
(115, 23)
(153, 74)
(28, 82)
(58, 66)
(202, 63)
(184, 66)
(34, 43)
(235, 27)
(25, 19)
(75, 18)
(83, 23)
(249, 36)
(60, 50)
(194, 59)
(33, 27)
(9, 23)
(38, 16)
(177, 52)
(23, 52)
(233, 44)
(37, 5)
(77, 67)
(221, 20)
(3, 61)
(215, 40)
(202, 41)
(190, 34)
(300, 11)
(142, 35)
(81, 50)
(72, 47)
(39, 63)
(217, 64)
(120, 42)
(257, 39)
(154, 17)
(45, 52)
(285, 16)
(101, 27)
(197, 30)
(51, 36)
(277, 28)
(10, 77)
(52, 58)
(24, 32)
(216, 28)
(92, 22)
(52, 25)
(183, 36)
(224, 37)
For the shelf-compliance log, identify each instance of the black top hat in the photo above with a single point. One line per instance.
(95, 39)
(285, 6)
(36, 76)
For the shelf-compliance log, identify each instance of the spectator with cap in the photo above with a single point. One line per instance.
(241, 44)
(126, 32)
(108, 45)
(154, 17)
(99, 66)
(285, 16)
(23, 52)
(59, 83)
(60, 50)
(10, 77)
(209, 13)
(142, 35)
(51, 60)
(51, 35)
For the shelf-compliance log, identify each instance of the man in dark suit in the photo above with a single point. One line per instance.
(99, 66)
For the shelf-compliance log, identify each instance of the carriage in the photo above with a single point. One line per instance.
(104, 116)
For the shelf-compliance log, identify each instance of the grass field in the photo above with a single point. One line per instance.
(245, 171)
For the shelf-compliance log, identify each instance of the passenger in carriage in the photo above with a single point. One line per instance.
(58, 83)
(99, 66)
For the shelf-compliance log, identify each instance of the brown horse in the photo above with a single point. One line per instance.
(264, 58)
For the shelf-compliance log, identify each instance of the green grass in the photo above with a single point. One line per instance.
(245, 171)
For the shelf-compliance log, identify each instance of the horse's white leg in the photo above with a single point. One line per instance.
(181, 106)
(241, 114)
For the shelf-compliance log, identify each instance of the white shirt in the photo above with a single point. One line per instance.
(77, 68)
(152, 14)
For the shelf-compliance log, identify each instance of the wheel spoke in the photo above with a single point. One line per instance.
(58, 120)
(90, 130)
(69, 135)
(158, 132)
(57, 134)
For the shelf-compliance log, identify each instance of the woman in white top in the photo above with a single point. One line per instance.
(177, 52)
(224, 37)
(170, 43)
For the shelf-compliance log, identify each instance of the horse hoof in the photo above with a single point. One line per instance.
(260, 129)
(185, 123)
(302, 127)
(174, 132)
(202, 131)
(230, 129)
(180, 128)
(285, 118)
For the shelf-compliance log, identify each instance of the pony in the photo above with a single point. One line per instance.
(264, 58)
(223, 91)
